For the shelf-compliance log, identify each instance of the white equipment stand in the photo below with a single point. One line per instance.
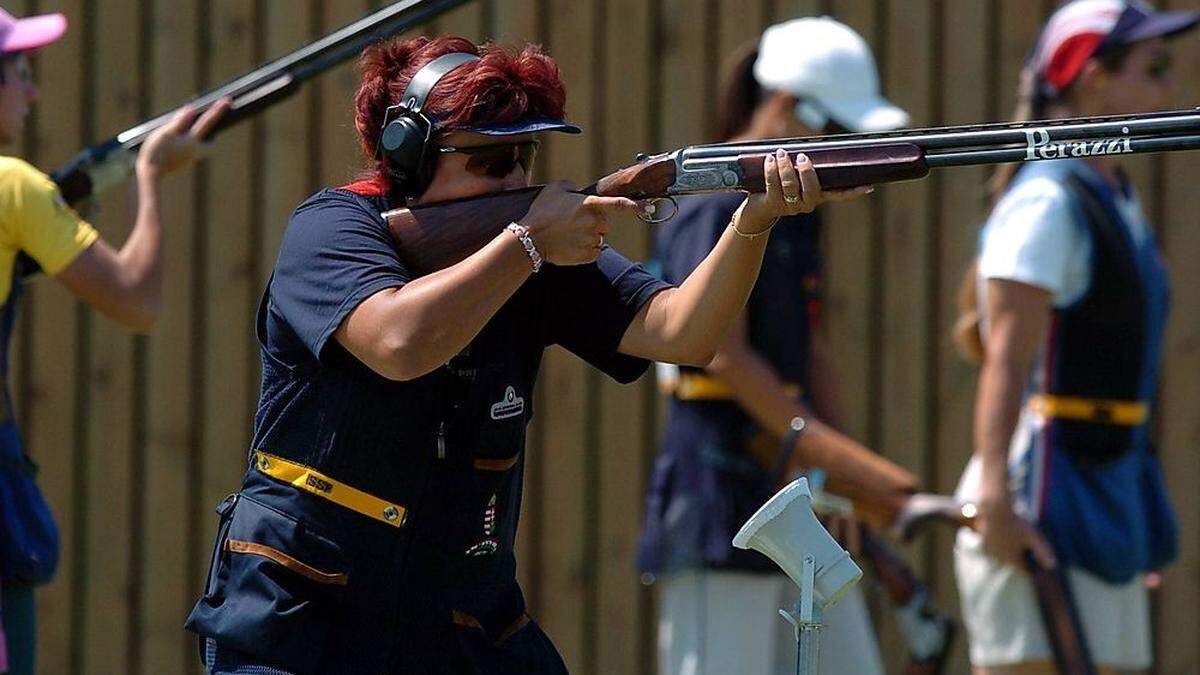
(806, 621)
(787, 531)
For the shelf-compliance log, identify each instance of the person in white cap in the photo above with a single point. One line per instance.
(1065, 309)
(830, 72)
(39, 231)
(718, 611)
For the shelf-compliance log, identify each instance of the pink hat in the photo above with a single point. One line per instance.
(18, 35)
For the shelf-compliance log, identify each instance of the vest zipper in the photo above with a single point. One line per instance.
(441, 441)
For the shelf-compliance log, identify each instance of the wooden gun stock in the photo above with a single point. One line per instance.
(1055, 604)
(431, 237)
(435, 236)
(1061, 619)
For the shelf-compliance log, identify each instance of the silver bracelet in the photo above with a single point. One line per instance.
(522, 233)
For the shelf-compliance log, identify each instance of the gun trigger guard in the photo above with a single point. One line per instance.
(651, 210)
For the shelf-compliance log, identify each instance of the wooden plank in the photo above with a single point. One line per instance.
(624, 438)
(684, 73)
(225, 261)
(516, 20)
(50, 411)
(465, 20)
(738, 24)
(1178, 605)
(964, 99)
(852, 247)
(907, 246)
(908, 335)
(286, 131)
(110, 374)
(340, 158)
(851, 263)
(791, 9)
(567, 571)
(1020, 23)
(167, 543)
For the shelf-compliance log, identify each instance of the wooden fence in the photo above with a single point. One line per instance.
(140, 437)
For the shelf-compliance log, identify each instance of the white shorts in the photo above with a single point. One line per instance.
(719, 622)
(1004, 626)
(1000, 612)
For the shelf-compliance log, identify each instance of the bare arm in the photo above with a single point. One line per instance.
(126, 284)
(689, 323)
(879, 487)
(1017, 315)
(403, 333)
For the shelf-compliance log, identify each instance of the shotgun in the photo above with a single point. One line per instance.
(430, 237)
(1055, 603)
(104, 165)
(928, 634)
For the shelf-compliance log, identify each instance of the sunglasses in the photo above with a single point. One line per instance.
(497, 160)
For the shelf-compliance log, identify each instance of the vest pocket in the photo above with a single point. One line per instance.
(273, 589)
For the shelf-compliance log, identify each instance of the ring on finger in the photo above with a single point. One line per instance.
(791, 199)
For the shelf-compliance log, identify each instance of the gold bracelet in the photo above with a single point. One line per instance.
(752, 235)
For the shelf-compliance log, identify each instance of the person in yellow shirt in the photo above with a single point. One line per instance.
(37, 226)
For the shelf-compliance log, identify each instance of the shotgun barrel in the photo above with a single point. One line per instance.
(106, 164)
(850, 160)
(432, 236)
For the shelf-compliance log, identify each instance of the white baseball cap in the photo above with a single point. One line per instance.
(830, 69)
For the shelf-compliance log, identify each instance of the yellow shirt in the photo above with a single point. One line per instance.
(35, 219)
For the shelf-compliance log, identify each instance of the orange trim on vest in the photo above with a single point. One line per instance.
(307, 571)
(485, 464)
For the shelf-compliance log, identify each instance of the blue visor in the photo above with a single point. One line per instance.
(1140, 22)
(524, 127)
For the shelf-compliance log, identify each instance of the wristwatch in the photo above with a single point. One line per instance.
(786, 446)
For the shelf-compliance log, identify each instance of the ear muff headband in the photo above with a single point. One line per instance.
(404, 138)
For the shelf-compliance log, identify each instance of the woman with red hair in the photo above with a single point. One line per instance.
(375, 526)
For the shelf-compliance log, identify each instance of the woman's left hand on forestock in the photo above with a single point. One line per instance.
(178, 142)
(792, 188)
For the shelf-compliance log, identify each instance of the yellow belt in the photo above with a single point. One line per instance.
(1124, 413)
(700, 387)
(311, 480)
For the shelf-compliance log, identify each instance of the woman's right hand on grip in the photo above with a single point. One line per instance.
(568, 228)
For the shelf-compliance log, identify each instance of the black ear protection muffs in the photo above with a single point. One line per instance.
(404, 138)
